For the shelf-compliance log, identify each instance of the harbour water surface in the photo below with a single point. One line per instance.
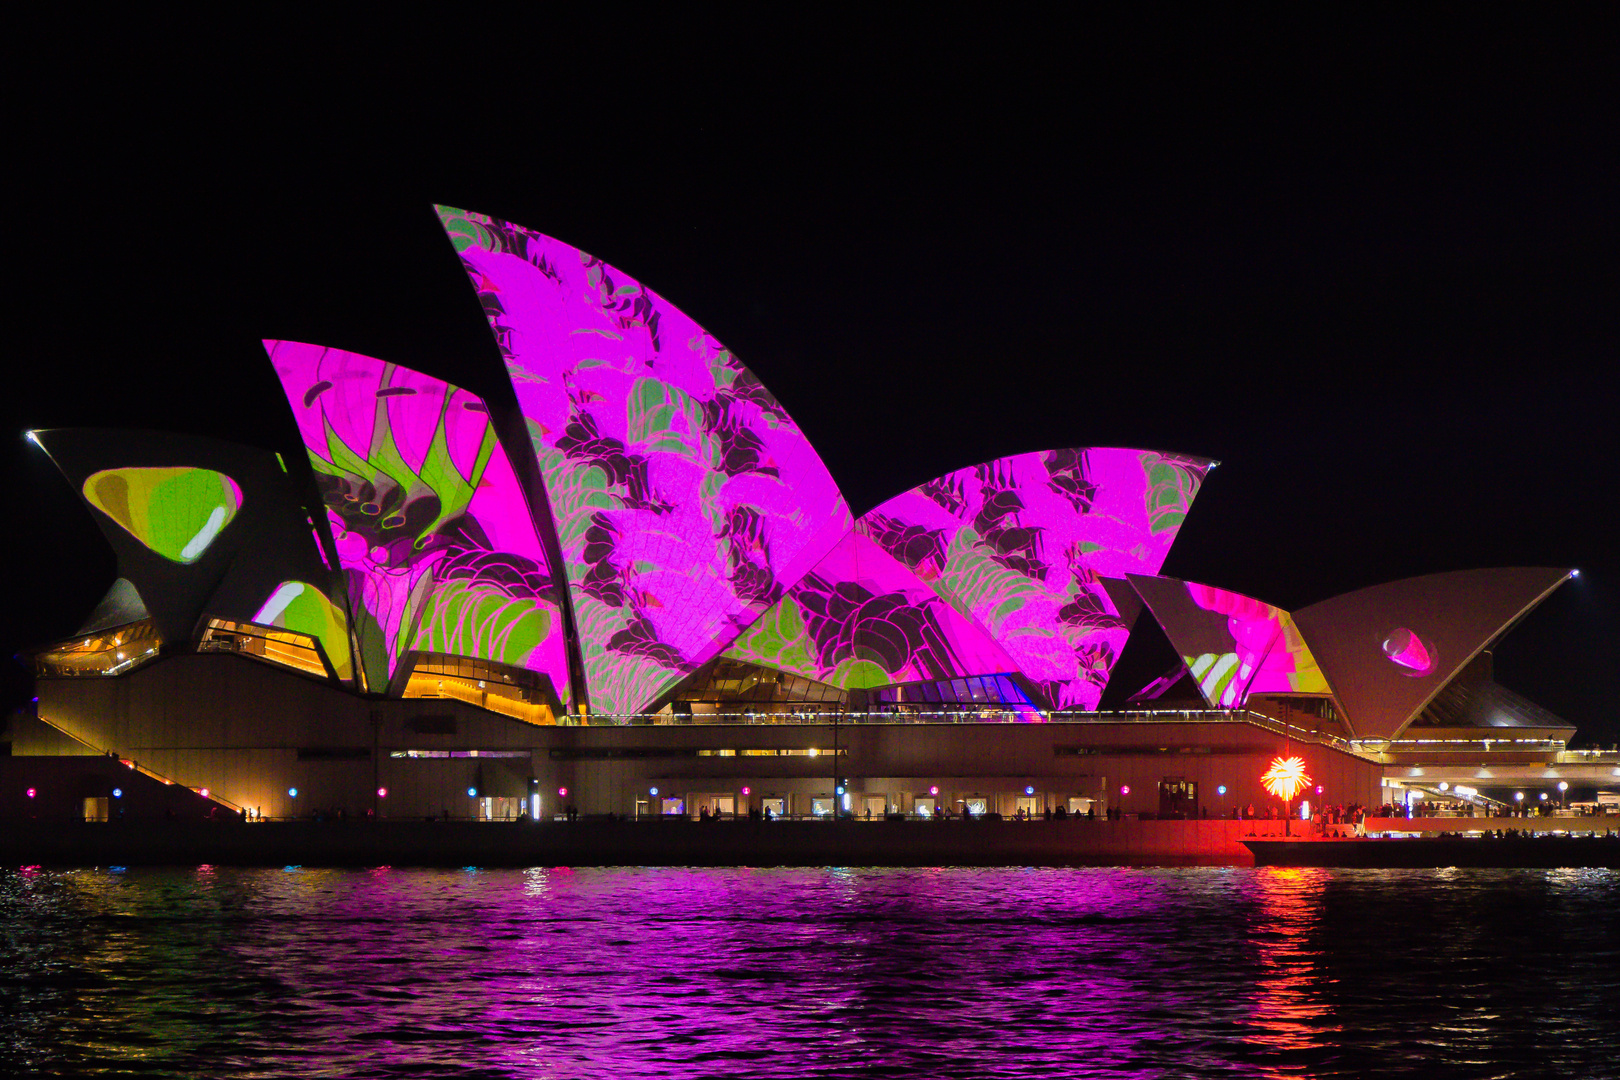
(810, 972)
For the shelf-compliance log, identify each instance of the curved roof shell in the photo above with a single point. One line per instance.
(1022, 547)
(1234, 645)
(431, 525)
(1389, 649)
(685, 497)
(202, 528)
(861, 619)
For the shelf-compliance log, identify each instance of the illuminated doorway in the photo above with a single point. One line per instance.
(716, 805)
(497, 808)
(1178, 797)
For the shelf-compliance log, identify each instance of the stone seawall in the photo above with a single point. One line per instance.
(646, 843)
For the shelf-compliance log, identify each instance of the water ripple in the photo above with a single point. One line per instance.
(986, 973)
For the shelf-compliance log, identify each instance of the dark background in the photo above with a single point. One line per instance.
(1370, 263)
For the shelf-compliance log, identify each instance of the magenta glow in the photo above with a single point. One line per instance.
(430, 524)
(1404, 648)
(1020, 546)
(685, 497)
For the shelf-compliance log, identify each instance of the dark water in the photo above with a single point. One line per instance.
(801, 973)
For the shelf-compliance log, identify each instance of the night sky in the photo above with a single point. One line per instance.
(1371, 266)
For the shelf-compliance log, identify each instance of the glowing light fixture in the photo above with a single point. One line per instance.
(1518, 796)
(1543, 796)
(745, 791)
(472, 793)
(292, 793)
(1444, 786)
(1125, 789)
(1029, 791)
(1563, 785)
(118, 793)
(32, 793)
(933, 790)
(1221, 790)
(1285, 778)
(382, 793)
(652, 791)
(563, 792)
(203, 792)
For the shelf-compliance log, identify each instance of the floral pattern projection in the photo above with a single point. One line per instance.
(432, 530)
(1020, 545)
(684, 496)
(860, 620)
(1233, 645)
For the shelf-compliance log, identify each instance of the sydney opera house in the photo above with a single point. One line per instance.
(640, 592)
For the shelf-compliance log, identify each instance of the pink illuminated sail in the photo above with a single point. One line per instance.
(860, 620)
(1020, 545)
(684, 496)
(431, 526)
(1233, 645)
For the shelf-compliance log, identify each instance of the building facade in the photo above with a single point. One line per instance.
(642, 593)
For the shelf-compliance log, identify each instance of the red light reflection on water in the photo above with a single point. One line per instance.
(1287, 1016)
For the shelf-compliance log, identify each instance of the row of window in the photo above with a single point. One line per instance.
(978, 690)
